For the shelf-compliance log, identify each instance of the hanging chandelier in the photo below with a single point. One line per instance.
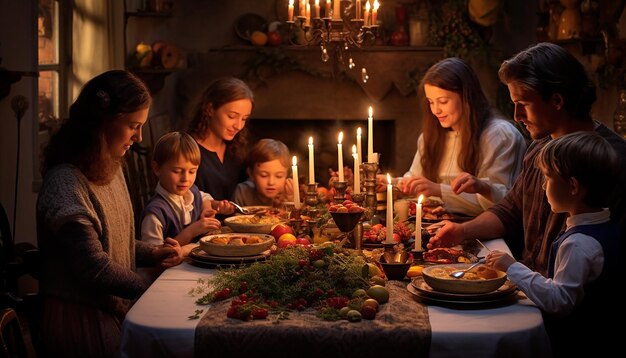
(341, 26)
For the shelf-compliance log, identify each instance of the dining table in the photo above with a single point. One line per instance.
(159, 323)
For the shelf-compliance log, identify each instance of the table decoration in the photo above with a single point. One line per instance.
(370, 170)
(296, 185)
(311, 162)
(340, 156)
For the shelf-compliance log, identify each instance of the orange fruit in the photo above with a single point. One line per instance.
(258, 38)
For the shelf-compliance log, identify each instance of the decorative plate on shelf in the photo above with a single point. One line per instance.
(246, 24)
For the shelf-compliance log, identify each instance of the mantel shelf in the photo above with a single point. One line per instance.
(154, 78)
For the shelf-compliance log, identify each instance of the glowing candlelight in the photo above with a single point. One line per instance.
(307, 21)
(357, 174)
(290, 10)
(317, 8)
(311, 162)
(336, 9)
(302, 8)
(358, 145)
(375, 12)
(367, 13)
(370, 137)
(418, 223)
(296, 185)
(340, 155)
(389, 221)
(327, 8)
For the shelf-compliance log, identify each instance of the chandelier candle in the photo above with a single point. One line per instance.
(375, 12)
(357, 174)
(389, 220)
(367, 14)
(317, 9)
(296, 185)
(370, 136)
(327, 7)
(340, 155)
(311, 162)
(302, 8)
(418, 223)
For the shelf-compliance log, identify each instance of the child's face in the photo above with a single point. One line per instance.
(176, 175)
(269, 178)
(558, 191)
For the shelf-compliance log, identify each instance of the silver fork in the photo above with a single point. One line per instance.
(241, 209)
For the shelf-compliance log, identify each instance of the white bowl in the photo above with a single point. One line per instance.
(437, 277)
(211, 248)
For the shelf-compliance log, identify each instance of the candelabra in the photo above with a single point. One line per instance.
(340, 191)
(338, 34)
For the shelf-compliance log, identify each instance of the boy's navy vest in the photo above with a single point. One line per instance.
(160, 207)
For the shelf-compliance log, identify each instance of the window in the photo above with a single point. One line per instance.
(52, 91)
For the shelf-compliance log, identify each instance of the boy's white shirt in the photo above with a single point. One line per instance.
(152, 228)
(579, 260)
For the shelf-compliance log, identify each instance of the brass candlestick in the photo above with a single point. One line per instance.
(357, 233)
(370, 170)
(340, 191)
(311, 198)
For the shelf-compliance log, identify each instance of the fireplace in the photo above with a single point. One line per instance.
(295, 134)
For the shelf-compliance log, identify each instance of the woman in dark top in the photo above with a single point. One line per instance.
(218, 126)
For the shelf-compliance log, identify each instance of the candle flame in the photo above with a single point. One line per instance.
(388, 179)
(310, 140)
(376, 5)
(290, 2)
(358, 132)
(354, 150)
(367, 6)
(340, 138)
(419, 200)
(317, 2)
(371, 111)
(294, 161)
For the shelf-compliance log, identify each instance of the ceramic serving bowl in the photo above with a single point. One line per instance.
(481, 279)
(236, 244)
(252, 223)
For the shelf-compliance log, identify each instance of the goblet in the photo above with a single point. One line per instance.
(346, 222)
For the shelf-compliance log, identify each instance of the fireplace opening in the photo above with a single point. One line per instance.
(295, 134)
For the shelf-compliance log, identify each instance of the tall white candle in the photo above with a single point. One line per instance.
(370, 136)
(336, 9)
(296, 185)
(366, 18)
(340, 155)
(302, 8)
(375, 12)
(307, 21)
(290, 11)
(357, 174)
(327, 9)
(418, 223)
(389, 221)
(316, 8)
(358, 144)
(311, 162)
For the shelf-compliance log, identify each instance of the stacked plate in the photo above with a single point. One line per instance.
(200, 258)
(422, 292)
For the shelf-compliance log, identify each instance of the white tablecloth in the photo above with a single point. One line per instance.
(157, 325)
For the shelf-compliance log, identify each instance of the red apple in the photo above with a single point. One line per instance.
(279, 229)
(303, 241)
(274, 38)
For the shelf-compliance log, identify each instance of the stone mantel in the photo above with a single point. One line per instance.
(298, 94)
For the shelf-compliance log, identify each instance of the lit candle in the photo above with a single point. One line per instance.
(357, 174)
(389, 221)
(296, 185)
(302, 8)
(375, 12)
(358, 9)
(317, 8)
(307, 21)
(340, 155)
(327, 7)
(370, 137)
(418, 223)
(358, 145)
(336, 9)
(367, 13)
(290, 10)
(311, 162)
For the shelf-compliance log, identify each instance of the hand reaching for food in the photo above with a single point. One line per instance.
(467, 183)
(499, 260)
(449, 234)
(419, 185)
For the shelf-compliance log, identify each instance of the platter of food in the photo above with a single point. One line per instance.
(199, 257)
(481, 279)
(446, 255)
(236, 244)
(261, 224)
